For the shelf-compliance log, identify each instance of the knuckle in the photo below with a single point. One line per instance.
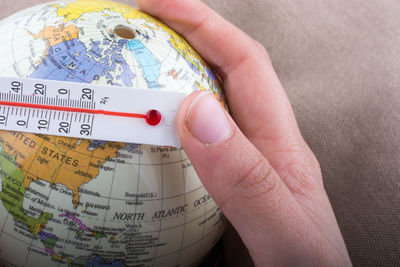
(299, 181)
(260, 50)
(257, 180)
(259, 46)
(301, 174)
(201, 23)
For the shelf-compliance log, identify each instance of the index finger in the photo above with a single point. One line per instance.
(256, 98)
(218, 41)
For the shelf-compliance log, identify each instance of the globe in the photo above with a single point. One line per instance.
(78, 202)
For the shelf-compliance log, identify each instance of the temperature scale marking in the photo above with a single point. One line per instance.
(70, 109)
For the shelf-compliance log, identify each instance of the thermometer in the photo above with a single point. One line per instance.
(109, 113)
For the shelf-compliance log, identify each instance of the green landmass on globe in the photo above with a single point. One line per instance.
(78, 202)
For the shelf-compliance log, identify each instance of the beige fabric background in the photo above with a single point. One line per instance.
(339, 63)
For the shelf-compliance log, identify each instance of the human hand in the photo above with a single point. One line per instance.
(259, 171)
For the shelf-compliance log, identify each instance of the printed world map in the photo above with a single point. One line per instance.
(72, 202)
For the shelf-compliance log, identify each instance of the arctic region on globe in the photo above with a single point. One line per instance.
(77, 202)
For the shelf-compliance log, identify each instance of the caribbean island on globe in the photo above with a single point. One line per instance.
(77, 202)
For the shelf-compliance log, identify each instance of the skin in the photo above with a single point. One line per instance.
(260, 171)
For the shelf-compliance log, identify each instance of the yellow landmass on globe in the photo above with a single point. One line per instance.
(75, 9)
(56, 35)
(184, 49)
(57, 160)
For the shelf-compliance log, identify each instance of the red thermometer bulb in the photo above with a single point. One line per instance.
(153, 117)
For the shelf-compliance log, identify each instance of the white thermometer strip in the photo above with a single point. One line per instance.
(109, 113)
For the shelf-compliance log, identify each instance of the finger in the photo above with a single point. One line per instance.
(243, 183)
(216, 39)
(256, 98)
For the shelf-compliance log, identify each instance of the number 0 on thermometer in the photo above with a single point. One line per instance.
(88, 111)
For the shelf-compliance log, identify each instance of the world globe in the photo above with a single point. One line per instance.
(78, 202)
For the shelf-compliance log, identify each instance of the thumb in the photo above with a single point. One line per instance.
(237, 176)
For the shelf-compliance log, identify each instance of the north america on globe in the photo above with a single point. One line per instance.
(78, 202)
